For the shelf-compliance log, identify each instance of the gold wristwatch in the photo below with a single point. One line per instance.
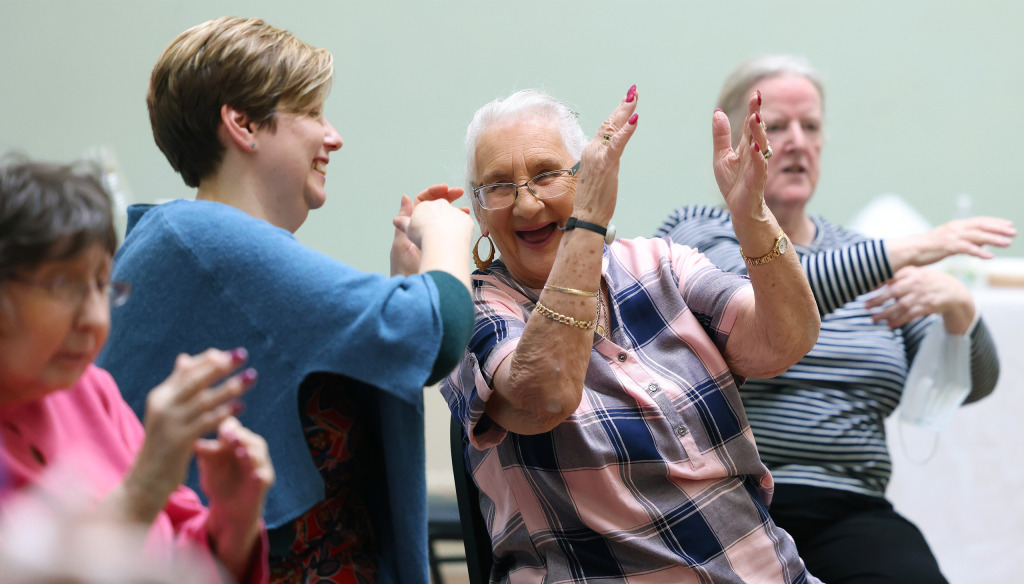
(780, 247)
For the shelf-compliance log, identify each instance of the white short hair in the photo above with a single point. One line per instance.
(527, 102)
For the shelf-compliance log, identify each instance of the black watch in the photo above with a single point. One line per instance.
(608, 233)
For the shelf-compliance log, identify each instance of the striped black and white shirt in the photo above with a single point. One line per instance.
(821, 423)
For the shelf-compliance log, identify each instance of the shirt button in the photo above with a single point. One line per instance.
(681, 431)
(622, 357)
(652, 387)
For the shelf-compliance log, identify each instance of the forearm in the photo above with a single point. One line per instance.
(542, 383)
(137, 499)
(234, 541)
(445, 250)
(781, 324)
(984, 363)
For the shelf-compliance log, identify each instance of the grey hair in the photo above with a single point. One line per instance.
(737, 87)
(523, 104)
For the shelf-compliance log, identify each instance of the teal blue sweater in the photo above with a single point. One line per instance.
(207, 275)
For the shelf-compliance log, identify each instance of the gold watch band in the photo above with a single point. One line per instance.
(781, 244)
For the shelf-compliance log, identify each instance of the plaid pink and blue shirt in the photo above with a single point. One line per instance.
(655, 477)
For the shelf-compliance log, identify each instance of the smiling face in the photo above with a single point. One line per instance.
(294, 163)
(526, 234)
(792, 113)
(46, 344)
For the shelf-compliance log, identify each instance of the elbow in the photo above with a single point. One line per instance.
(545, 414)
(786, 349)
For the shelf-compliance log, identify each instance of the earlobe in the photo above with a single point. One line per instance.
(239, 128)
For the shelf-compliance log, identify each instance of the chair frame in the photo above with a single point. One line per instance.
(479, 556)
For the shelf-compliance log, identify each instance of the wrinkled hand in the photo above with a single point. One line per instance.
(741, 173)
(235, 472)
(180, 410)
(914, 292)
(961, 236)
(598, 186)
(405, 254)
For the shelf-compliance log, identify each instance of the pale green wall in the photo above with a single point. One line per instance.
(924, 98)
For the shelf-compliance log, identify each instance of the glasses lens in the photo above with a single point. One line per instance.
(497, 196)
(118, 293)
(549, 185)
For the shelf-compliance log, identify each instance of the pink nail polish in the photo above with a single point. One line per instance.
(758, 97)
(237, 407)
(238, 355)
(248, 376)
(631, 94)
(757, 147)
(633, 118)
(757, 117)
(718, 109)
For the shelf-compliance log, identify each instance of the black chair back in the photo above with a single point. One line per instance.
(479, 556)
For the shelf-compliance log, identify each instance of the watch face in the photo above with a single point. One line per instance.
(783, 244)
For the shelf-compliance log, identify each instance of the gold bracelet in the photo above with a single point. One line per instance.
(570, 290)
(558, 317)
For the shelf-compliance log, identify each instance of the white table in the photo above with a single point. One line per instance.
(968, 497)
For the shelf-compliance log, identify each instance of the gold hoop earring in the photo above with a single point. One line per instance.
(482, 265)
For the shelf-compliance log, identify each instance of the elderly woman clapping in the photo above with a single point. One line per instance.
(599, 391)
(58, 411)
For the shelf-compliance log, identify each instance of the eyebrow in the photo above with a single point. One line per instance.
(545, 162)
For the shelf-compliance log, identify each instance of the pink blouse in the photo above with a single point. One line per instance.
(90, 432)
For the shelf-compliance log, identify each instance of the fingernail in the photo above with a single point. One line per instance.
(237, 407)
(633, 118)
(248, 376)
(757, 147)
(718, 109)
(757, 117)
(238, 355)
(631, 94)
(758, 97)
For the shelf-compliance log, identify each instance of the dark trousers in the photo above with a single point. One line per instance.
(847, 538)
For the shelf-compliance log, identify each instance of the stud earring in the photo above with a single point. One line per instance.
(253, 146)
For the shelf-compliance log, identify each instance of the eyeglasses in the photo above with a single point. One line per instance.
(546, 185)
(74, 292)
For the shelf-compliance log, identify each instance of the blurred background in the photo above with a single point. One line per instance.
(922, 100)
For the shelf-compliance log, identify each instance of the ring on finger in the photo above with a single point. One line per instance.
(767, 152)
(606, 139)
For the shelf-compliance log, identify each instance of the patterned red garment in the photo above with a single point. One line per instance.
(334, 539)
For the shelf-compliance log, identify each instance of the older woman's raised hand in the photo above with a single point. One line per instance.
(186, 406)
(235, 472)
(741, 172)
(960, 236)
(598, 187)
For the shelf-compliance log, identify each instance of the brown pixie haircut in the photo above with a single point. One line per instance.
(243, 63)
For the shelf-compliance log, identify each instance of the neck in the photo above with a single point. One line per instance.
(236, 186)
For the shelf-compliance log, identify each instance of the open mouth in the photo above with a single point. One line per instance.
(794, 169)
(538, 237)
(320, 166)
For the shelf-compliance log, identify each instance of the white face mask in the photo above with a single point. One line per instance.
(939, 379)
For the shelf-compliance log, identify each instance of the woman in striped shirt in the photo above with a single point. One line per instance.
(819, 426)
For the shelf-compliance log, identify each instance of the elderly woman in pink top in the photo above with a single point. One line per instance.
(60, 412)
(599, 395)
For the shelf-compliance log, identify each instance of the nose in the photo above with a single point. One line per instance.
(526, 202)
(94, 311)
(332, 139)
(795, 137)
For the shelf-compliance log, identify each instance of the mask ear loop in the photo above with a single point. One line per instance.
(901, 430)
